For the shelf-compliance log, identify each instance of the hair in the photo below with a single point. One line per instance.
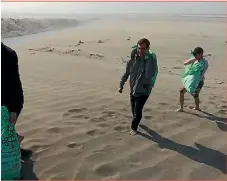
(198, 50)
(144, 41)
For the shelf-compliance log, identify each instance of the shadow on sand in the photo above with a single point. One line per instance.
(220, 121)
(27, 172)
(200, 154)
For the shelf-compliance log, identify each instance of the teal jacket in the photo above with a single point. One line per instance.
(142, 73)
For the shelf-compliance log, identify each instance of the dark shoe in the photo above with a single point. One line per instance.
(25, 153)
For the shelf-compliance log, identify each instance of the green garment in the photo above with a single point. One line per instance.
(10, 148)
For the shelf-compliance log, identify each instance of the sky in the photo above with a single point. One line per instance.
(115, 7)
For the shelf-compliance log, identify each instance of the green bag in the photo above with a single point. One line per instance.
(192, 74)
(10, 148)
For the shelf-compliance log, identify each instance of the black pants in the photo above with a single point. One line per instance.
(137, 104)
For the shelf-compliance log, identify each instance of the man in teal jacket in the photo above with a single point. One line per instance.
(142, 69)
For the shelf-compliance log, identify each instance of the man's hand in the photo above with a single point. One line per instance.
(13, 117)
(120, 90)
(208, 55)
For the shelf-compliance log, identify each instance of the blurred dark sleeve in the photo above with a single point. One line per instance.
(15, 90)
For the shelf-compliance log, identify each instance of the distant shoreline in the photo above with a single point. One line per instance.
(81, 15)
(26, 24)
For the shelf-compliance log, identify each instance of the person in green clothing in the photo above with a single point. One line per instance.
(142, 69)
(197, 58)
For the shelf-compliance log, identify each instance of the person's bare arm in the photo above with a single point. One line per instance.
(189, 61)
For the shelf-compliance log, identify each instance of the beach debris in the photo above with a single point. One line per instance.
(43, 49)
(129, 38)
(74, 45)
(70, 51)
(80, 42)
(100, 41)
(100, 56)
(96, 55)
(220, 82)
(51, 50)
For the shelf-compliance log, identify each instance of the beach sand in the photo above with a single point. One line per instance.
(77, 124)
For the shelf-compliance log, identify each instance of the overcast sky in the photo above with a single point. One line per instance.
(116, 7)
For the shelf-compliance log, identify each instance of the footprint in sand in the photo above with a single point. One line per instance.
(134, 162)
(74, 123)
(212, 98)
(75, 145)
(121, 129)
(128, 117)
(222, 111)
(109, 114)
(79, 116)
(224, 102)
(77, 110)
(94, 132)
(104, 170)
(163, 103)
(222, 107)
(177, 125)
(54, 130)
(74, 114)
(97, 120)
(191, 107)
(103, 125)
(118, 138)
(148, 117)
(211, 102)
(176, 67)
(124, 122)
(147, 110)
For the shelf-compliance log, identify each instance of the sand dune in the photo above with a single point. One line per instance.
(17, 27)
(77, 124)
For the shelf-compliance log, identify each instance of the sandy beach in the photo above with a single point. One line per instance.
(77, 124)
